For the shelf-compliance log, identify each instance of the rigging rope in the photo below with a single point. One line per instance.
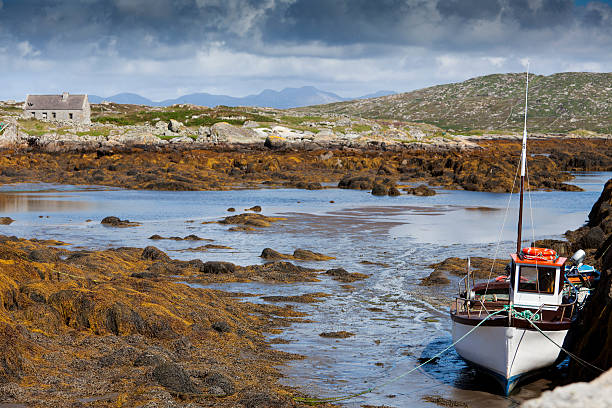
(530, 206)
(501, 231)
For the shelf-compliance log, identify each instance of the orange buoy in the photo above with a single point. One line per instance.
(540, 254)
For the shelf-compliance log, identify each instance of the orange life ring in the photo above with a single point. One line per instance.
(541, 254)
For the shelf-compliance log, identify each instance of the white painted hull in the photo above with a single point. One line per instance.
(508, 353)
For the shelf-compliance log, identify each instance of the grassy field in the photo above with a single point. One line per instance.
(557, 103)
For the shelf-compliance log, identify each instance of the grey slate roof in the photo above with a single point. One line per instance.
(54, 102)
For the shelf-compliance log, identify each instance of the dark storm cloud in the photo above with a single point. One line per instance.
(147, 28)
(344, 22)
(165, 48)
(132, 27)
(469, 9)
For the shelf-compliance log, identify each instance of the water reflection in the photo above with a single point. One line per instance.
(390, 313)
(23, 203)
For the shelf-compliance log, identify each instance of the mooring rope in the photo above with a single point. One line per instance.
(314, 401)
(524, 315)
(575, 357)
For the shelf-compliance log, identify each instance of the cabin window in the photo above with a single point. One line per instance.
(70, 115)
(44, 115)
(54, 115)
(536, 279)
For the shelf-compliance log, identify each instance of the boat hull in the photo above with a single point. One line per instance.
(509, 354)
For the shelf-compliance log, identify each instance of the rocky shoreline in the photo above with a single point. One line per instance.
(123, 326)
(382, 171)
(594, 339)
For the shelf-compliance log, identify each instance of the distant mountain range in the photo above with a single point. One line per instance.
(285, 99)
(557, 103)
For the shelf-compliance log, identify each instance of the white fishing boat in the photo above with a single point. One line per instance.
(515, 325)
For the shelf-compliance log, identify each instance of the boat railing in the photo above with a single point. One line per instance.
(477, 306)
(562, 306)
(469, 306)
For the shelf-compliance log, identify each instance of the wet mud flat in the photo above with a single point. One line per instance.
(250, 323)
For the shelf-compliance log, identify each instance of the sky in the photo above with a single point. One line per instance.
(166, 48)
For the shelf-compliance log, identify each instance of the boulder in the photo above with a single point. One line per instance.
(219, 382)
(596, 394)
(223, 132)
(258, 399)
(117, 222)
(593, 239)
(6, 220)
(394, 192)
(269, 253)
(182, 140)
(356, 182)
(250, 124)
(421, 190)
(45, 255)
(218, 267)
(306, 255)
(275, 142)
(289, 134)
(154, 254)
(175, 126)
(380, 189)
(174, 377)
(132, 138)
(340, 274)
(221, 326)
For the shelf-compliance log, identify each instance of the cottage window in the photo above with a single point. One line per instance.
(44, 115)
(70, 115)
(33, 114)
(54, 115)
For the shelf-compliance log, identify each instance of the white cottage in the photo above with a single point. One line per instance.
(65, 107)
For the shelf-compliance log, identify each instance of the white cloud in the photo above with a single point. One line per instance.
(26, 50)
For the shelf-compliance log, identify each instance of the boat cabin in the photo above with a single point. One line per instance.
(537, 283)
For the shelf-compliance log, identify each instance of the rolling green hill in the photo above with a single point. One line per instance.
(557, 103)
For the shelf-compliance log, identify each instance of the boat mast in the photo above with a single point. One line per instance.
(523, 164)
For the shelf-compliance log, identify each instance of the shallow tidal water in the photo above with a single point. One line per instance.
(396, 322)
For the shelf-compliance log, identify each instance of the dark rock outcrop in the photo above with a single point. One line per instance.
(298, 254)
(343, 334)
(117, 222)
(421, 190)
(175, 378)
(340, 274)
(593, 334)
(154, 254)
(218, 267)
(6, 220)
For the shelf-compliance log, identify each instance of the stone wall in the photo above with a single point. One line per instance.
(78, 116)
